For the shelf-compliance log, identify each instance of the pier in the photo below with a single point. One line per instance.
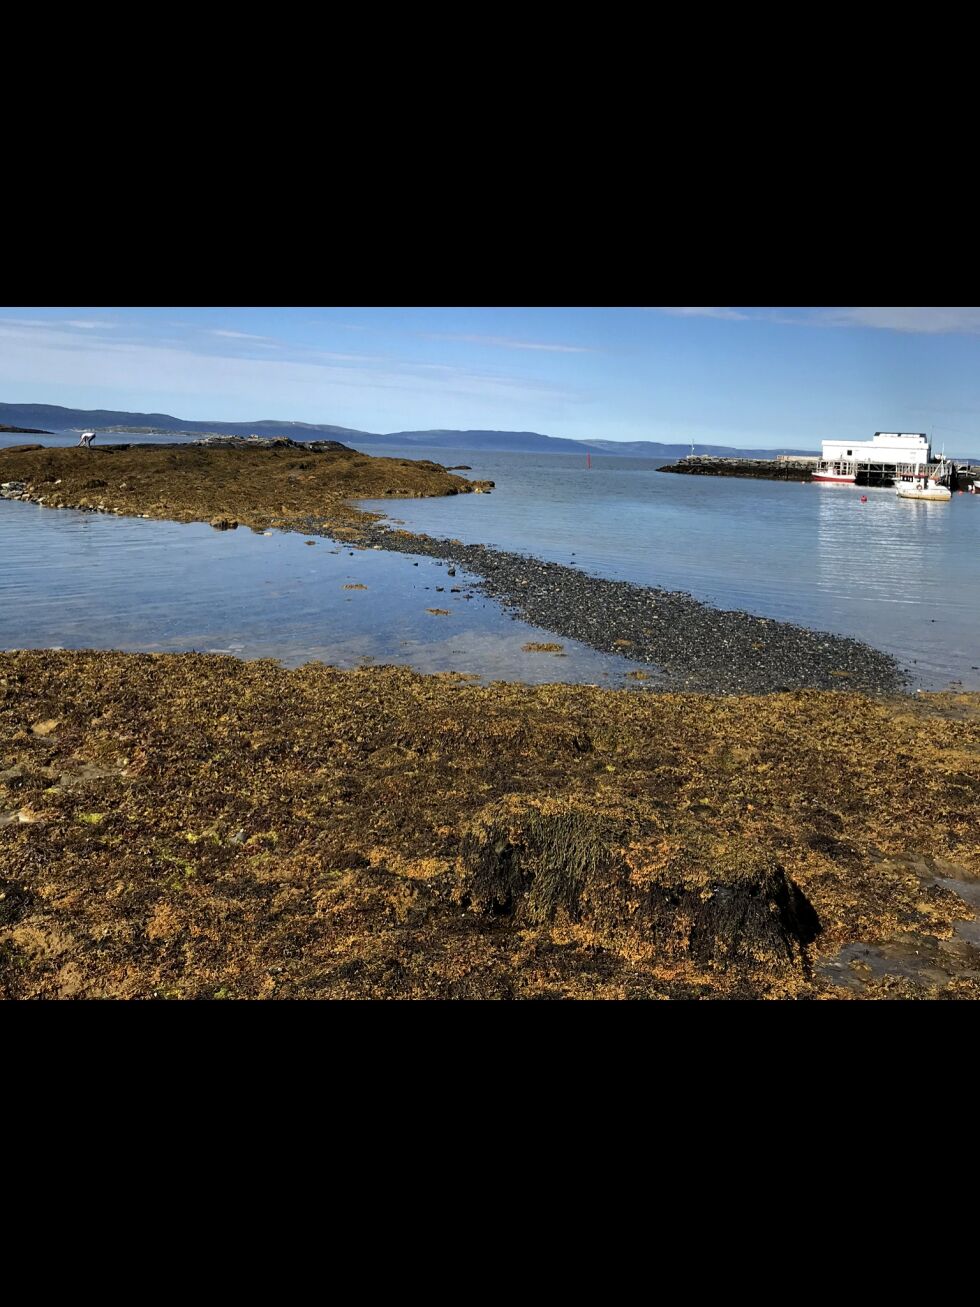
(960, 475)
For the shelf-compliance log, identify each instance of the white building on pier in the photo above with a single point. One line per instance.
(887, 447)
(889, 454)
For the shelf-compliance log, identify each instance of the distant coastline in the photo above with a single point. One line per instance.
(113, 421)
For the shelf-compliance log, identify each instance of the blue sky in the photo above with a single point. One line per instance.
(740, 376)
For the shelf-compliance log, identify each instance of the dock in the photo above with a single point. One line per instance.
(789, 468)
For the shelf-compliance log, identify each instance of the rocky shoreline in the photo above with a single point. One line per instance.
(274, 483)
(195, 826)
(694, 646)
(265, 483)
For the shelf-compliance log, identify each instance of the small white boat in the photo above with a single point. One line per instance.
(834, 473)
(923, 488)
(939, 494)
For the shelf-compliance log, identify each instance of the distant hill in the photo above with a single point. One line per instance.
(527, 442)
(651, 449)
(103, 419)
(533, 442)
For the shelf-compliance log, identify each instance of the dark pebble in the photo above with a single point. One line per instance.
(696, 647)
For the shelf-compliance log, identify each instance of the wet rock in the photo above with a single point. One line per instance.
(724, 905)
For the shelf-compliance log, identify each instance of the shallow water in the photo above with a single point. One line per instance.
(903, 576)
(900, 575)
(77, 580)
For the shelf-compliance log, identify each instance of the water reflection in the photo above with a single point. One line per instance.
(897, 574)
(81, 580)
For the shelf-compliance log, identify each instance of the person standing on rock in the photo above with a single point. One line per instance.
(86, 439)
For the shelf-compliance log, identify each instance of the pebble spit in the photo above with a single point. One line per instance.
(695, 647)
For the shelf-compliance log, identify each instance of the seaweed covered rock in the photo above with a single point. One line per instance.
(264, 483)
(644, 894)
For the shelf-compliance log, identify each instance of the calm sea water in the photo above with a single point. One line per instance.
(903, 576)
(72, 580)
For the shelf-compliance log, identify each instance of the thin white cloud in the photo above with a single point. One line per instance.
(921, 320)
(235, 335)
(698, 312)
(505, 342)
(54, 355)
(87, 324)
(928, 321)
(344, 358)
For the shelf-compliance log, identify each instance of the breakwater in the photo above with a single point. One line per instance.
(767, 469)
(961, 478)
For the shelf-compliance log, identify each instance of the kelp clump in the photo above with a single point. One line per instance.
(694, 898)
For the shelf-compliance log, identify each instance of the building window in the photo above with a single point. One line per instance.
(849, 453)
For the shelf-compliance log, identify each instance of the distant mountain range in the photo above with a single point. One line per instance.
(104, 419)
(526, 442)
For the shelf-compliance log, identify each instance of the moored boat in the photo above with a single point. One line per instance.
(922, 485)
(939, 494)
(834, 472)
